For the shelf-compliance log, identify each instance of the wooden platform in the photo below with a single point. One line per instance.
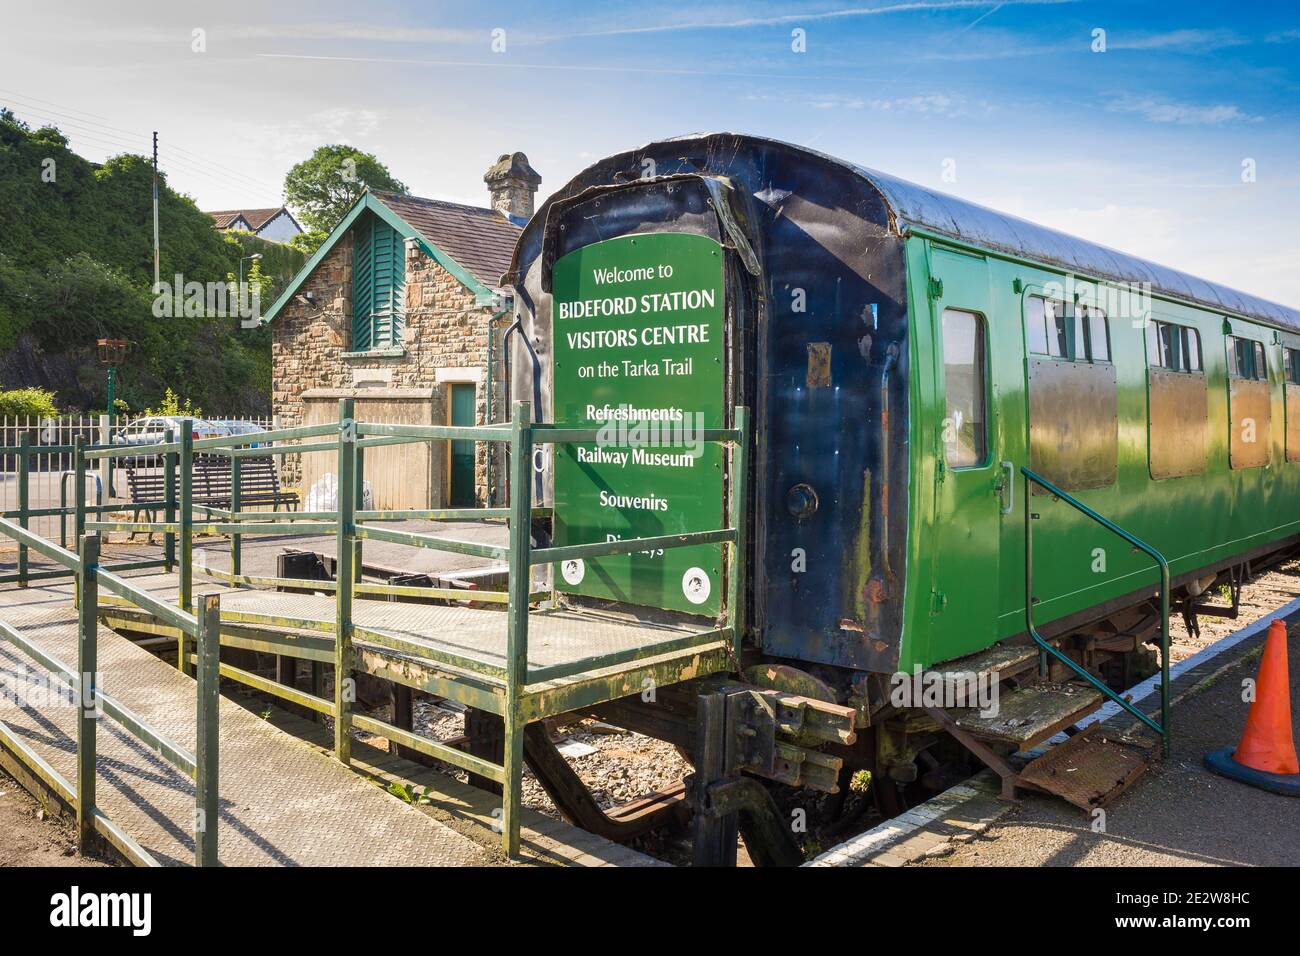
(1031, 714)
(283, 801)
(459, 651)
(1001, 660)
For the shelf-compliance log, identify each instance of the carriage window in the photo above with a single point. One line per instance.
(1175, 347)
(1063, 331)
(1098, 336)
(964, 429)
(1048, 325)
(1292, 360)
(1246, 359)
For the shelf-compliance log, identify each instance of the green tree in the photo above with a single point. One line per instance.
(308, 242)
(323, 187)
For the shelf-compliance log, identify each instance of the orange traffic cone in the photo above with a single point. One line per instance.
(1266, 756)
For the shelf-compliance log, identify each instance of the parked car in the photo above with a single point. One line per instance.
(239, 426)
(154, 429)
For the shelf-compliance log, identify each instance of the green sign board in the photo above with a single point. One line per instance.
(638, 339)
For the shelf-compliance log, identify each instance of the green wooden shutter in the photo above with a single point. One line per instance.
(378, 285)
(363, 286)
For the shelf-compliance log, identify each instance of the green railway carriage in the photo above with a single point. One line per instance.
(1169, 414)
(942, 346)
(912, 361)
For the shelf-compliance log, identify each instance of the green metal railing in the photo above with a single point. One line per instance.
(201, 766)
(351, 526)
(1046, 649)
(24, 452)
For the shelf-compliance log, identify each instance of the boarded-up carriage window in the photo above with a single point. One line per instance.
(965, 432)
(1073, 400)
(1177, 401)
(1250, 406)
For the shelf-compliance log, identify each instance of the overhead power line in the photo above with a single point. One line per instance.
(110, 137)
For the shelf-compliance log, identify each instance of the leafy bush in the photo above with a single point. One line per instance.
(28, 403)
(172, 405)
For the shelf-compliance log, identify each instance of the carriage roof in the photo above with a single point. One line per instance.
(913, 207)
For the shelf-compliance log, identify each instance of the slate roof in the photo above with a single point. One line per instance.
(481, 240)
(256, 218)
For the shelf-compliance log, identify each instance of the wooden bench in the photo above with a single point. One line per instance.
(146, 480)
(259, 484)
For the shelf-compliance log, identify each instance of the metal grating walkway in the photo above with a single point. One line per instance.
(479, 634)
(555, 637)
(282, 803)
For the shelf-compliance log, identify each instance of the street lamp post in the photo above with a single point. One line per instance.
(111, 353)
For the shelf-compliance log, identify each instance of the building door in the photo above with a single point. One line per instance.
(971, 479)
(462, 493)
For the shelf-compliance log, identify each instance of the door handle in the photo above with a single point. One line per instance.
(1009, 483)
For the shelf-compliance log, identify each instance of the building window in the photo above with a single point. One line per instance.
(1175, 347)
(965, 438)
(1246, 359)
(378, 280)
(1064, 331)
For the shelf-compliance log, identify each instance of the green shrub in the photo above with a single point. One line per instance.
(28, 403)
(172, 405)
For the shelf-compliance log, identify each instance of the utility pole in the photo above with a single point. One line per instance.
(155, 215)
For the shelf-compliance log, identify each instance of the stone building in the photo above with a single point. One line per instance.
(400, 310)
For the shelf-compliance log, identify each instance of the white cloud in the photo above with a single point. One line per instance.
(1198, 41)
(949, 105)
(1006, 45)
(736, 23)
(352, 32)
(1159, 110)
(294, 140)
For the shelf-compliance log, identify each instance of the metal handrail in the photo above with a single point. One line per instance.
(64, 511)
(203, 626)
(352, 525)
(1162, 728)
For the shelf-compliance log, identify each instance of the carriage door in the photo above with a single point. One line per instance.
(970, 478)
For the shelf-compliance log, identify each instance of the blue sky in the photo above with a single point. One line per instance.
(1140, 147)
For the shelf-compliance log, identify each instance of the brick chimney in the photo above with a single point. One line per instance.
(512, 183)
